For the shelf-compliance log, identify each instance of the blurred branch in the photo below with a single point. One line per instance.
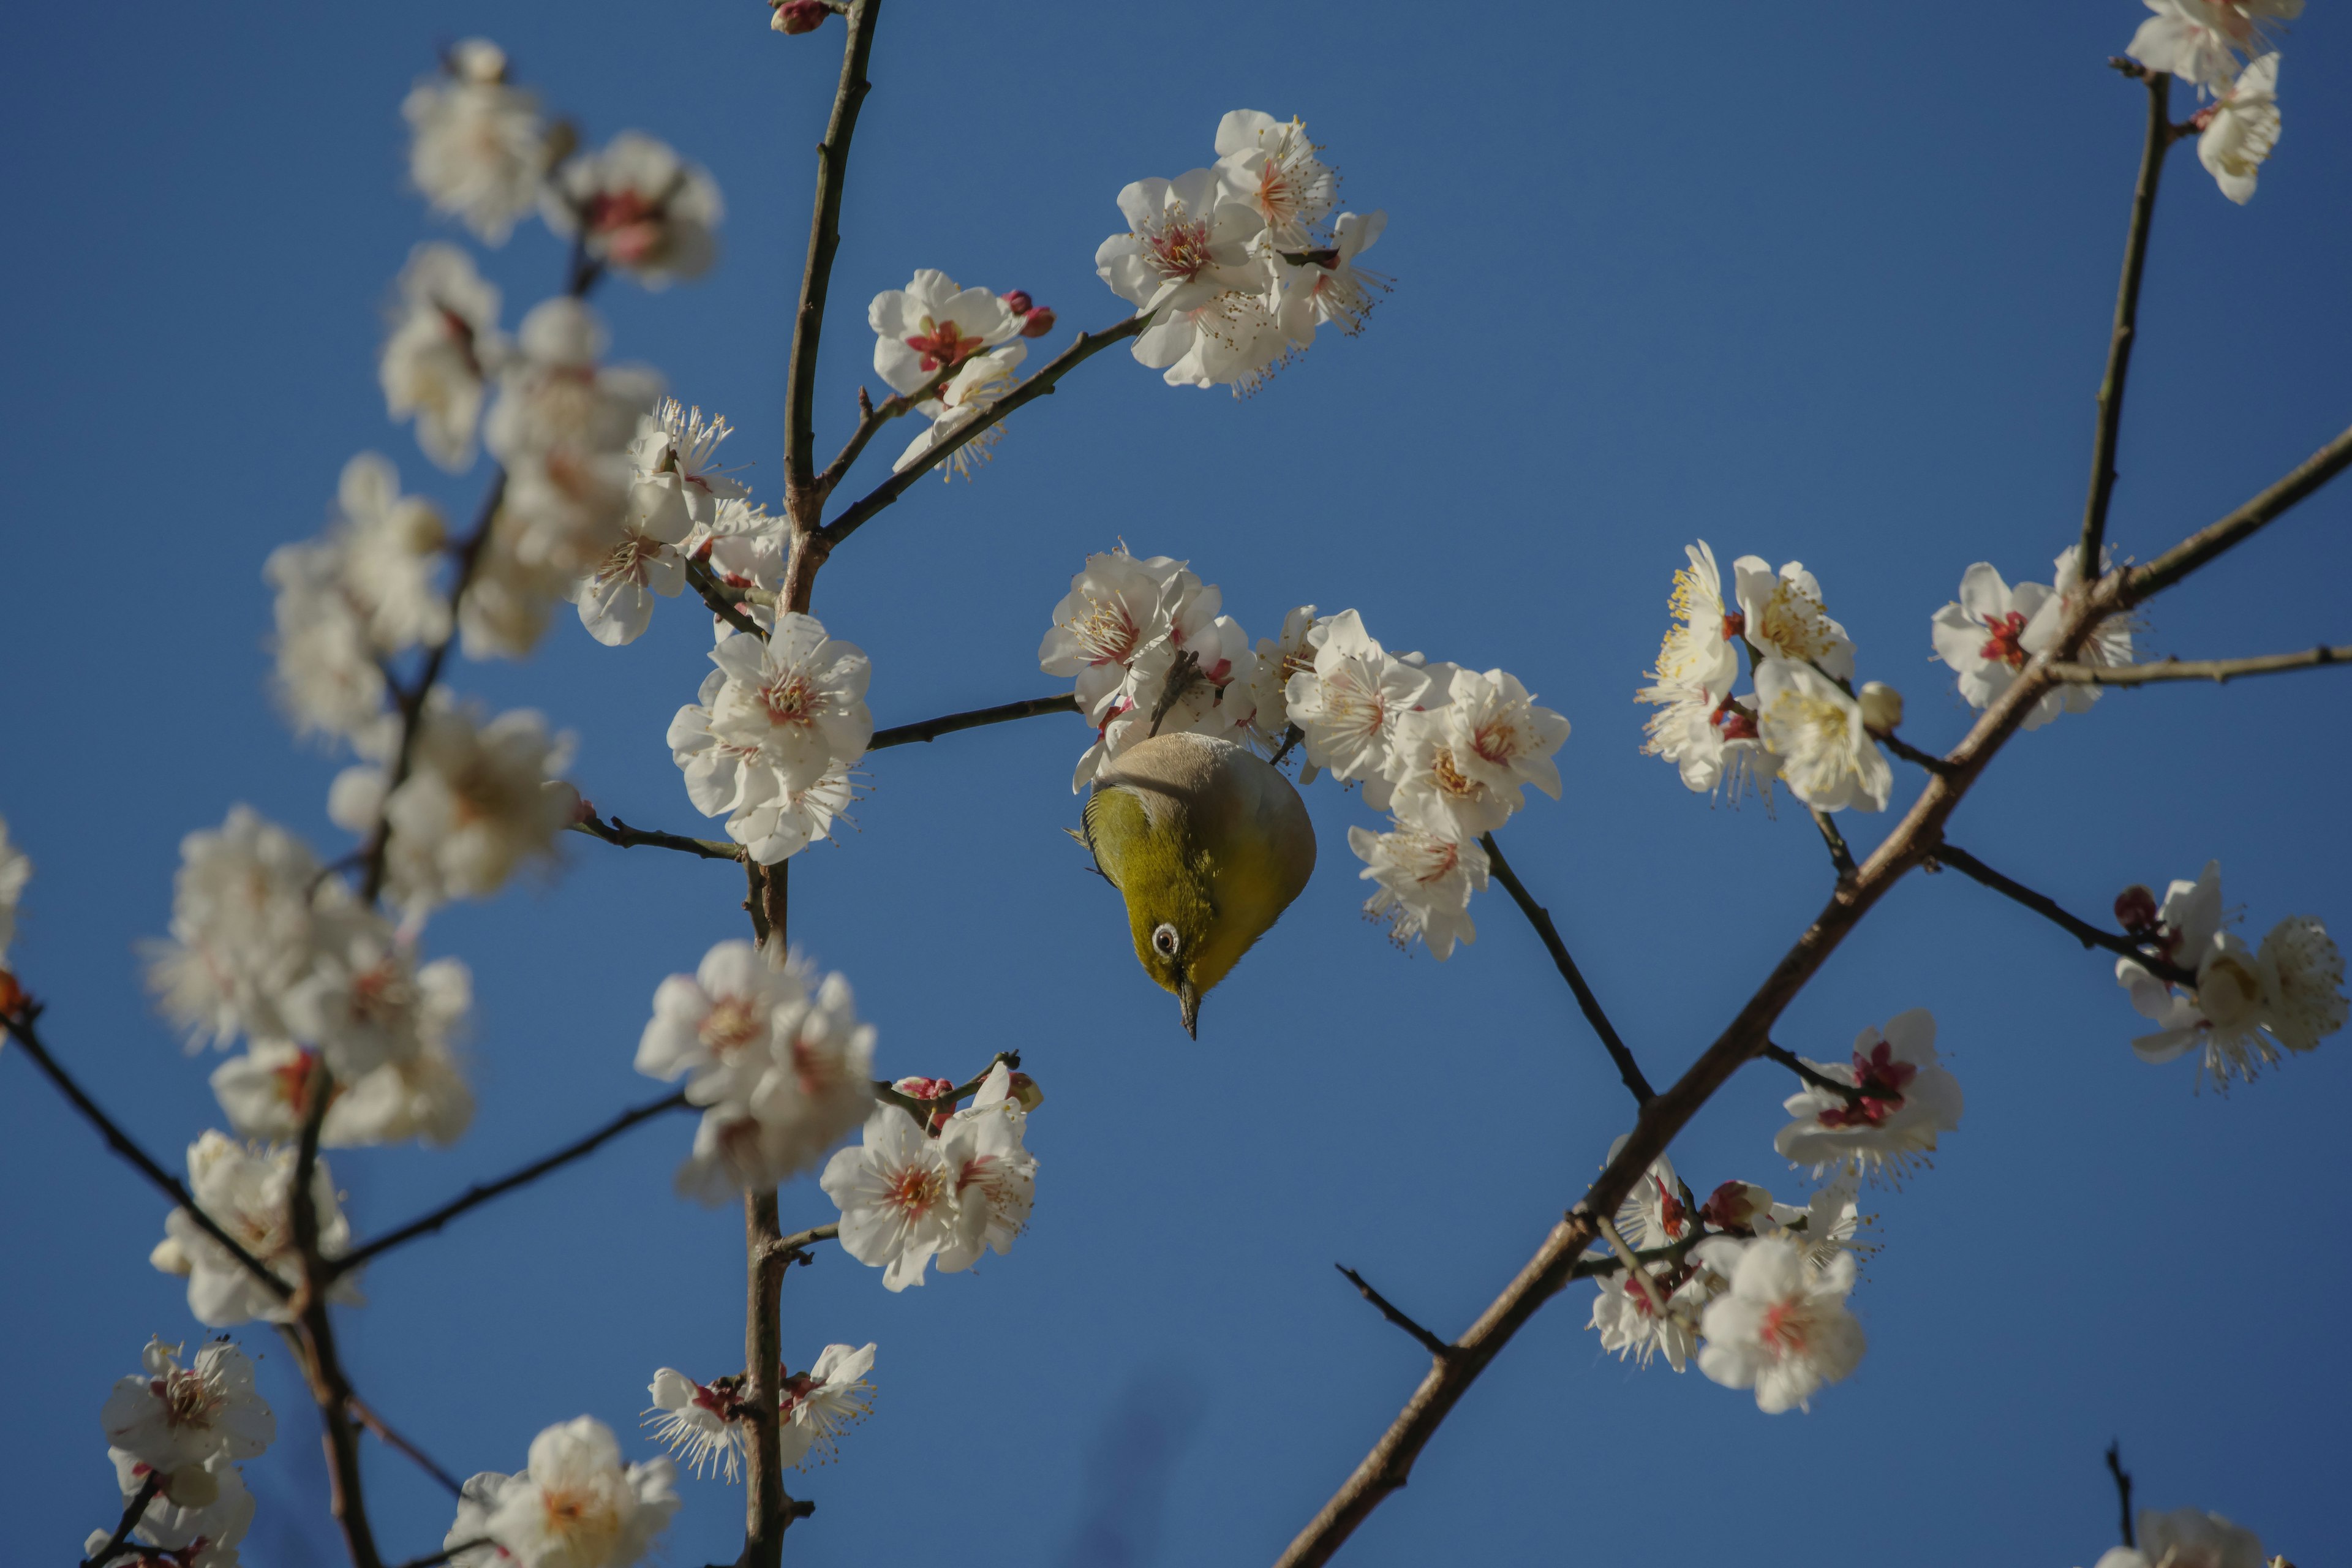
(133, 1512)
(1427, 1340)
(474, 1197)
(22, 1027)
(2157, 141)
(2216, 670)
(313, 1333)
(714, 594)
(1540, 918)
(620, 834)
(1840, 856)
(2123, 1489)
(947, 724)
(398, 1444)
(2082, 931)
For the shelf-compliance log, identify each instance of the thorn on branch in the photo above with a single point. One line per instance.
(1427, 1340)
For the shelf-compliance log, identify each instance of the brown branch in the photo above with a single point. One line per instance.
(768, 1509)
(755, 899)
(482, 1193)
(400, 1445)
(1427, 1340)
(1085, 347)
(1840, 856)
(2158, 141)
(313, 1333)
(1909, 752)
(21, 1026)
(947, 724)
(1912, 841)
(133, 1512)
(871, 420)
(2082, 931)
(1540, 918)
(413, 699)
(2123, 1489)
(824, 238)
(1850, 1093)
(714, 594)
(622, 834)
(794, 1249)
(2216, 670)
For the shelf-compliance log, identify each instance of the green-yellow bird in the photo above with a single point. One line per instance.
(1208, 844)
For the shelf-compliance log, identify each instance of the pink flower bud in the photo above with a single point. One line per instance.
(795, 16)
(1019, 302)
(2135, 909)
(1037, 323)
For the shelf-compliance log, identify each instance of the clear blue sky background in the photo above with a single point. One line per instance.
(1823, 283)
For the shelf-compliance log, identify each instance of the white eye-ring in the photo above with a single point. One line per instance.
(1166, 940)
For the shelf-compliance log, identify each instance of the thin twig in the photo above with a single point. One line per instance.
(2127, 324)
(133, 1512)
(2144, 582)
(2216, 670)
(1911, 753)
(794, 1249)
(1840, 856)
(482, 1192)
(313, 1333)
(1085, 347)
(384, 1434)
(1968, 866)
(948, 723)
(22, 1027)
(1850, 1093)
(1633, 1269)
(1427, 1340)
(713, 594)
(922, 1109)
(1290, 737)
(1540, 918)
(2123, 1489)
(617, 832)
(871, 420)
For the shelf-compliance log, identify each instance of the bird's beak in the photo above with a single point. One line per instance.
(1189, 999)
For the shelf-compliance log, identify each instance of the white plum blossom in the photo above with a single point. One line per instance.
(897, 1197)
(199, 1528)
(1117, 607)
(724, 779)
(993, 1178)
(934, 324)
(674, 501)
(1492, 740)
(575, 1505)
(2246, 1004)
(1982, 636)
(16, 870)
(2197, 40)
(702, 1424)
(1270, 166)
(716, 1026)
(967, 397)
(639, 209)
(1633, 1328)
(1652, 1214)
(813, 1407)
(241, 919)
(444, 343)
(1426, 881)
(264, 1092)
(1814, 731)
(1782, 614)
(1698, 648)
(795, 700)
(2192, 1538)
(1350, 704)
(479, 803)
(1783, 1328)
(1908, 1099)
(479, 146)
(2305, 971)
(2241, 127)
(1326, 285)
(171, 1416)
(1186, 262)
(245, 1191)
(1278, 659)
(1832, 1219)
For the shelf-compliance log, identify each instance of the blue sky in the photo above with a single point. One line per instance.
(1829, 283)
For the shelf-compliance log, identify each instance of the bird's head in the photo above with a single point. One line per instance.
(1175, 922)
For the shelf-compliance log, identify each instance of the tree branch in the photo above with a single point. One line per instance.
(2158, 141)
(947, 724)
(871, 420)
(482, 1192)
(2216, 670)
(2144, 582)
(133, 1512)
(1085, 347)
(1796, 1064)
(1909, 752)
(400, 1445)
(767, 1509)
(714, 595)
(624, 837)
(1540, 918)
(22, 1027)
(791, 1249)
(2082, 931)
(1427, 1340)
(1840, 856)
(801, 502)
(313, 1333)
(2123, 1489)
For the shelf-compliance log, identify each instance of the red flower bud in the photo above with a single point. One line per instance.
(12, 995)
(795, 16)
(1019, 302)
(2135, 909)
(1038, 323)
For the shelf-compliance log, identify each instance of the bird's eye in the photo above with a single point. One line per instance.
(1166, 940)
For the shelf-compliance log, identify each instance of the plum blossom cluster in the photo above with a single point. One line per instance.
(1754, 1290)
(177, 1432)
(1447, 751)
(705, 1423)
(1237, 265)
(574, 1504)
(2247, 1004)
(950, 1191)
(2203, 42)
(1802, 722)
(774, 1054)
(268, 948)
(247, 1190)
(1988, 633)
(955, 351)
(773, 733)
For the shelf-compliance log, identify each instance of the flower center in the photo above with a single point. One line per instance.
(1178, 246)
(1792, 621)
(1106, 632)
(583, 1518)
(188, 1400)
(942, 344)
(914, 1190)
(733, 1023)
(1784, 1327)
(1881, 1079)
(2004, 645)
(628, 559)
(791, 699)
(1449, 778)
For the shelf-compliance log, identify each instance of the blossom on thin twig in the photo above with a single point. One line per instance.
(1783, 1328)
(247, 1191)
(1814, 730)
(574, 1505)
(1426, 881)
(1908, 1099)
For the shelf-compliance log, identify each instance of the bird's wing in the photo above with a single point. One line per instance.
(1112, 818)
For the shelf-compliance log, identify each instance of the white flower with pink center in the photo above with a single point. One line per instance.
(1783, 1328)
(994, 1178)
(574, 1505)
(702, 1424)
(479, 146)
(444, 343)
(1350, 703)
(1981, 636)
(1820, 747)
(245, 1191)
(934, 324)
(1278, 659)
(1906, 1098)
(1426, 881)
(815, 1406)
(200, 1515)
(716, 1027)
(2239, 129)
(966, 398)
(1116, 607)
(1323, 284)
(1782, 614)
(1270, 166)
(2197, 40)
(173, 1415)
(1186, 262)
(795, 699)
(897, 1197)
(1637, 1324)
(638, 208)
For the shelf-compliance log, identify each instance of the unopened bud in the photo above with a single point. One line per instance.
(2135, 909)
(1038, 323)
(1019, 302)
(920, 1087)
(1025, 1091)
(795, 16)
(1881, 707)
(477, 60)
(1736, 1205)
